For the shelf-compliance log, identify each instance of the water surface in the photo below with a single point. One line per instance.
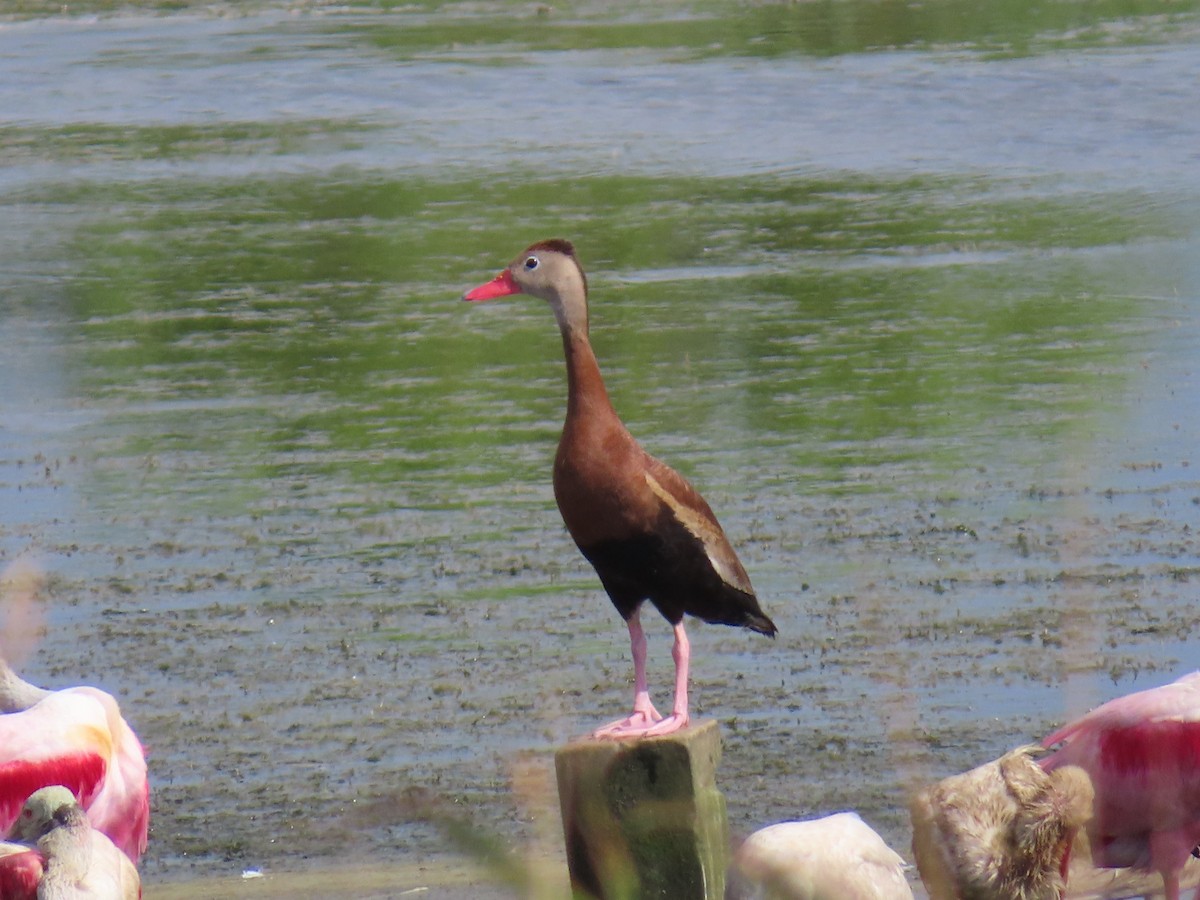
(909, 292)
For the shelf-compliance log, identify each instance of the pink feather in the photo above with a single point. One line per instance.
(1142, 752)
(21, 870)
(77, 738)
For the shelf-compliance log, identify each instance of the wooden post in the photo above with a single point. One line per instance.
(644, 819)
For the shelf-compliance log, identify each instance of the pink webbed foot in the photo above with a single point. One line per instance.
(643, 717)
(669, 725)
(640, 725)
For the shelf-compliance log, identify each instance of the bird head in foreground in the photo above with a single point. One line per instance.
(549, 270)
(44, 811)
(1002, 831)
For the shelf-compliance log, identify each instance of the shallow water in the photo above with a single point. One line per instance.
(909, 292)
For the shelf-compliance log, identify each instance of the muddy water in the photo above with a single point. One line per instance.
(910, 293)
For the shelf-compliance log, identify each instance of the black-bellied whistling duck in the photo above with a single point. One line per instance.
(648, 533)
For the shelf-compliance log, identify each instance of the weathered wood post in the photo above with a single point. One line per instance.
(644, 819)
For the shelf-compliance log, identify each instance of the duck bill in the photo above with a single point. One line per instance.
(500, 286)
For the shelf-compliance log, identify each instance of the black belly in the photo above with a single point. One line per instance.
(677, 577)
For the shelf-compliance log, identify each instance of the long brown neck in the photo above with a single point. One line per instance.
(586, 394)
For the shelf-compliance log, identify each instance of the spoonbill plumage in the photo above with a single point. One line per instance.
(75, 737)
(63, 857)
(832, 858)
(1142, 752)
(1002, 831)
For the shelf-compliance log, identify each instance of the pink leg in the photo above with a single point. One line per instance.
(639, 724)
(644, 714)
(682, 654)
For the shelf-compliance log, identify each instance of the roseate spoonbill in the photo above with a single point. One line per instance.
(74, 737)
(64, 858)
(1002, 831)
(1142, 752)
(834, 858)
(647, 532)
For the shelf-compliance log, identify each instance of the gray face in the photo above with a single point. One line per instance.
(556, 278)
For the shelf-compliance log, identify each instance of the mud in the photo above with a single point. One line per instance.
(926, 342)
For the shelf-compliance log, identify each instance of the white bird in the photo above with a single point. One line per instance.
(1002, 831)
(69, 860)
(835, 858)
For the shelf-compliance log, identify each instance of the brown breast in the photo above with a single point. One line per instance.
(599, 480)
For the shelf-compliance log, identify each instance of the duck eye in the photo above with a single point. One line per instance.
(531, 263)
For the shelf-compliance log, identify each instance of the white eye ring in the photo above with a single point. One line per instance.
(531, 263)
